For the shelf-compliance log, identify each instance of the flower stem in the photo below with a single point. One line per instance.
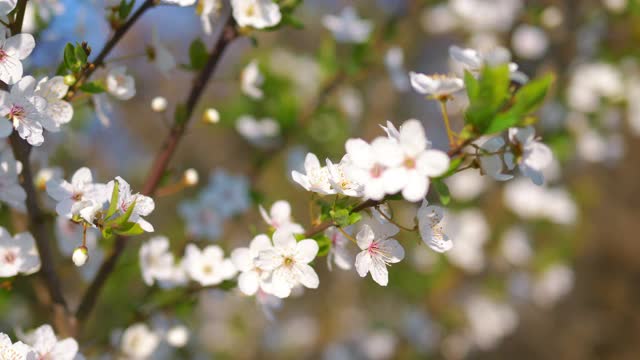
(347, 235)
(394, 222)
(445, 116)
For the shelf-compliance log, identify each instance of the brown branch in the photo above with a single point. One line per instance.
(37, 227)
(16, 25)
(229, 33)
(115, 38)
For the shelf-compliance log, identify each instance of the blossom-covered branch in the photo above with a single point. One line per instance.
(229, 33)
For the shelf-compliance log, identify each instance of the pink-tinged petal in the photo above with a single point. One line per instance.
(283, 239)
(393, 251)
(248, 283)
(412, 137)
(307, 276)
(363, 263)
(20, 45)
(365, 237)
(242, 259)
(416, 187)
(306, 251)
(379, 271)
(433, 163)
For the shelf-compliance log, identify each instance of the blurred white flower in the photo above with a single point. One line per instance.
(534, 156)
(159, 104)
(11, 193)
(80, 256)
(555, 283)
(44, 341)
(160, 55)
(470, 231)
(251, 80)
(138, 341)
(467, 185)
(17, 350)
(156, 260)
(592, 82)
(18, 254)
(263, 133)
(487, 15)
(515, 246)
(347, 27)
(489, 321)
(258, 14)
(208, 266)
(529, 42)
(208, 10)
(394, 61)
(279, 217)
(530, 201)
(119, 84)
(338, 252)
(144, 205)
(437, 86)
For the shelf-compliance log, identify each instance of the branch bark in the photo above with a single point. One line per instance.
(229, 33)
(106, 50)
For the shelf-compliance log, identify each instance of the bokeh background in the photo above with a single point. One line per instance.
(574, 297)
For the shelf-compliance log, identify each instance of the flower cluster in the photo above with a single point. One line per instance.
(403, 161)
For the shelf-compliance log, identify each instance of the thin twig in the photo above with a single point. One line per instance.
(229, 33)
(117, 36)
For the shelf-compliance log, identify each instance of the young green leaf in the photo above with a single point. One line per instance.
(197, 54)
(93, 87)
(443, 191)
(70, 60)
(113, 205)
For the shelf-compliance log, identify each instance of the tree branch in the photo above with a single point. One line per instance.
(229, 33)
(117, 36)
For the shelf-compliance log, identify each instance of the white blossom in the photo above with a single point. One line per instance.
(316, 177)
(394, 62)
(534, 156)
(347, 27)
(258, 14)
(491, 158)
(341, 182)
(208, 266)
(252, 278)
(156, 261)
(515, 246)
(44, 341)
(279, 217)
(552, 285)
(6, 6)
(75, 196)
(489, 321)
(57, 112)
(289, 260)
(18, 254)
(208, 9)
(138, 341)
(431, 229)
(12, 51)
(263, 133)
(437, 86)
(529, 42)
(119, 84)
(338, 252)
(24, 110)
(144, 205)
(251, 80)
(470, 231)
(15, 351)
(377, 252)
(11, 192)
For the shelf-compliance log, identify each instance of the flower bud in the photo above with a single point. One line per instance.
(69, 80)
(190, 177)
(178, 336)
(159, 104)
(211, 116)
(80, 255)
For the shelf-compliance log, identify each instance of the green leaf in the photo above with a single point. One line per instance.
(129, 229)
(107, 233)
(487, 96)
(198, 54)
(70, 60)
(80, 54)
(443, 191)
(115, 195)
(118, 222)
(340, 217)
(526, 101)
(453, 166)
(94, 87)
(125, 9)
(324, 244)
